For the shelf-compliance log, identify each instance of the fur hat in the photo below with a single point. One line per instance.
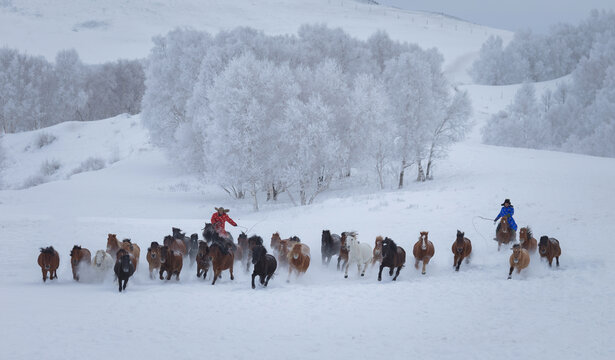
(221, 208)
(506, 201)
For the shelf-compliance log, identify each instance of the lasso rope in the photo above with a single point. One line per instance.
(478, 232)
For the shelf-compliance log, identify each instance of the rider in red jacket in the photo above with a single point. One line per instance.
(219, 218)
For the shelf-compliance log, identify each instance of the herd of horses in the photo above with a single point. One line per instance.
(220, 253)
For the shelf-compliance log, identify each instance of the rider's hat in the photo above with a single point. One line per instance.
(221, 208)
(506, 201)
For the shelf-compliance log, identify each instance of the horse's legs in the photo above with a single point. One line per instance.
(262, 279)
(290, 270)
(346, 270)
(510, 272)
(424, 265)
(267, 279)
(550, 261)
(45, 275)
(339, 258)
(231, 270)
(364, 268)
(120, 284)
(458, 263)
(216, 274)
(125, 283)
(380, 272)
(557, 260)
(398, 271)
(161, 273)
(253, 276)
(177, 276)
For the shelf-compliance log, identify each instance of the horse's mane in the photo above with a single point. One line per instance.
(126, 240)
(74, 248)
(295, 239)
(256, 239)
(544, 240)
(460, 236)
(391, 243)
(194, 236)
(529, 232)
(48, 250)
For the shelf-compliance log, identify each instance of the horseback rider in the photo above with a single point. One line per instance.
(219, 218)
(507, 210)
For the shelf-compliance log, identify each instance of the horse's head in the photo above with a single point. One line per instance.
(258, 252)
(168, 240)
(203, 250)
(504, 224)
(344, 241)
(351, 238)
(543, 245)
(99, 258)
(283, 246)
(388, 247)
(254, 240)
(75, 255)
(242, 238)
(295, 251)
(424, 237)
(165, 252)
(460, 242)
(378, 245)
(124, 259)
(209, 232)
(516, 252)
(153, 252)
(326, 237)
(177, 233)
(112, 243)
(48, 255)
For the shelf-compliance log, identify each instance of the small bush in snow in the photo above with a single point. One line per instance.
(50, 167)
(34, 180)
(90, 164)
(44, 139)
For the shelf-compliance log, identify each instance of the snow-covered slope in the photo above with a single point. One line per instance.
(104, 30)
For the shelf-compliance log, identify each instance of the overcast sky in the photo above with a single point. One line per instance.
(536, 15)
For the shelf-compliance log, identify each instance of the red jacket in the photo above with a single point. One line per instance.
(218, 221)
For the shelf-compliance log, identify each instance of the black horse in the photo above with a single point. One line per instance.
(264, 265)
(329, 246)
(124, 268)
(210, 234)
(253, 241)
(393, 256)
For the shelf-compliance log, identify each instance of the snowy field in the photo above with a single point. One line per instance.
(138, 193)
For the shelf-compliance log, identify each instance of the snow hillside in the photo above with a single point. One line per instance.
(142, 195)
(123, 29)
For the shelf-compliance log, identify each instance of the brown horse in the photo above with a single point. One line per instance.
(462, 248)
(519, 259)
(423, 251)
(504, 233)
(49, 261)
(343, 256)
(221, 259)
(242, 245)
(527, 240)
(393, 256)
(113, 245)
(282, 247)
(275, 243)
(175, 245)
(298, 259)
(77, 256)
(170, 261)
(377, 250)
(202, 259)
(153, 258)
(549, 248)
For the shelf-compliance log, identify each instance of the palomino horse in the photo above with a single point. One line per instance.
(264, 265)
(519, 259)
(329, 245)
(504, 233)
(298, 259)
(49, 261)
(171, 261)
(377, 250)
(343, 256)
(175, 245)
(153, 258)
(462, 248)
(358, 252)
(526, 239)
(221, 259)
(124, 268)
(202, 259)
(423, 251)
(113, 246)
(77, 256)
(393, 256)
(549, 248)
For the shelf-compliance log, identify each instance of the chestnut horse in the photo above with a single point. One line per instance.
(264, 265)
(77, 256)
(329, 245)
(343, 256)
(377, 250)
(505, 233)
(175, 245)
(526, 239)
(124, 268)
(462, 248)
(549, 248)
(393, 256)
(113, 245)
(49, 261)
(281, 247)
(153, 258)
(221, 259)
(423, 251)
(171, 261)
(519, 259)
(298, 259)
(202, 259)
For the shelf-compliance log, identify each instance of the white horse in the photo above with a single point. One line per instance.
(359, 253)
(102, 264)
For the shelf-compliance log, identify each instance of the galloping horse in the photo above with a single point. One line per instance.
(377, 250)
(343, 256)
(175, 244)
(329, 245)
(102, 262)
(549, 248)
(242, 243)
(49, 261)
(253, 241)
(210, 234)
(393, 256)
(202, 259)
(221, 259)
(527, 240)
(359, 253)
(264, 265)
(519, 259)
(124, 268)
(298, 259)
(77, 256)
(505, 233)
(462, 248)
(171, 261)
(153, 258)
(423, 251)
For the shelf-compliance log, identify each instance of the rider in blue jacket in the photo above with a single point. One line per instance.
(507, 210)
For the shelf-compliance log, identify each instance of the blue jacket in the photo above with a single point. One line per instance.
(510, 211)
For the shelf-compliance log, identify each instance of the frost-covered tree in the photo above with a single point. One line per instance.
(488, 69)
(70, 96)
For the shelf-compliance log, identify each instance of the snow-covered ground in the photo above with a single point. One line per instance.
(548, 313)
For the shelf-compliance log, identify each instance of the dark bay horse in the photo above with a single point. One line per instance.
(462, 248)
(329, 245)
(393, 256)
(171, 261)
(504, 233)
(49, 261)
(253, 241)
(202, 259)
(264, 265)
(548, 247)
(124, 268)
